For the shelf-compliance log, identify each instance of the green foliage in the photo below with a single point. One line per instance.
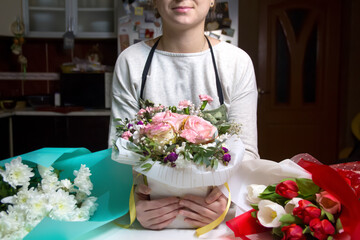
(307, 187)
(289, 219)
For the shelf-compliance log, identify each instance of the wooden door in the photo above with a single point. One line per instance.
(298, 78)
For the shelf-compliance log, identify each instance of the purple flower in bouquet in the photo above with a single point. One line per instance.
(225, 149)
(226, 158)
(171, 157)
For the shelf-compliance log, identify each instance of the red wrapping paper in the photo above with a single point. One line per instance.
(245, 224)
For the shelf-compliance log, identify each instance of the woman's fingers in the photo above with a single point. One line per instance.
(198, 212)
(192, 217)
(143, 192)
(157, 214)
(214, 195)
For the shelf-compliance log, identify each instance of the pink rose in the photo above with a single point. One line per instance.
(126, 135)
(328, 202)
(197, 130)
(174, 119)
(160, 132)
(184, 104)
(207, 98)
(141, 112)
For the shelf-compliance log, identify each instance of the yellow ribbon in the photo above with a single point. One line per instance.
(216, 222)
(132, 208)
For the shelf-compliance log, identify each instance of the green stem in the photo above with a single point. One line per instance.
(203, 105)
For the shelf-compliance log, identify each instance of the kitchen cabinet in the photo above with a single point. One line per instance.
(4, 137)
(35, 132)
(86, 18)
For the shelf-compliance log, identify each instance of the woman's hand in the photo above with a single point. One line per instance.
(199, 211)
(155, 214)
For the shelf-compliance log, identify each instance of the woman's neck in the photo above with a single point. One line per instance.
(183, 41)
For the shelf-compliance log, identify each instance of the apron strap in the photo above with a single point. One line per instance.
(147, 67)
(148, 63)
(218, 84)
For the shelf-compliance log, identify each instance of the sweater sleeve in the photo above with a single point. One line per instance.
(243, 105)
(124, 96)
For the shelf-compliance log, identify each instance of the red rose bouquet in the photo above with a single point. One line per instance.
(324, 207)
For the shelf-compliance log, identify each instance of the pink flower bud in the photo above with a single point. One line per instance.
(328, 202)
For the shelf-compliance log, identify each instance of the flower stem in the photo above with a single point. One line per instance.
(203, 105)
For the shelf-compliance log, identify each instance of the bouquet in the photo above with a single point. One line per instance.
(178, 136)
(324, 207)
(181, 150)
(28, 195)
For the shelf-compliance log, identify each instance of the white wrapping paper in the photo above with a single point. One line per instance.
(192, 176)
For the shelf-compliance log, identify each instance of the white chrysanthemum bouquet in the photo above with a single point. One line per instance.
(28, 195)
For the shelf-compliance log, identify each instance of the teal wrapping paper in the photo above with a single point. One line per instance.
(112, 184)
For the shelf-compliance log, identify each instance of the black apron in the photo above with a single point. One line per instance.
(148, 63)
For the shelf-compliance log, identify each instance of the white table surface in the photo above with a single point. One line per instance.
(111, 231)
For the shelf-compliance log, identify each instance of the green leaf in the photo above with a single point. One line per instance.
(253, 214)
(329, 216)
(277, 231)
(289, 219)
(307, 186)
(286, 179)
(146, 167)
(255, 206)
(338, 225)
(306, 230)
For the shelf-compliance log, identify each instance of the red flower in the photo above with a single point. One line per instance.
(293, 232)
(306, 212)
(287, 189)
(321, 228)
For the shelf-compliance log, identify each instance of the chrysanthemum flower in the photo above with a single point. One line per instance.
(16, 173)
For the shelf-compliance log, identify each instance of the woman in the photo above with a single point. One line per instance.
(184, 63)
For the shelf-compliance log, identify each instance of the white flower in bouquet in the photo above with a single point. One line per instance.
(86, 210)
(17, 173)
(45, 171)
(254, 191)
(63, 205)
(82, 180)
(50, 181)
(9, 222)
(293, 203)
(270, 213)
(67, 185)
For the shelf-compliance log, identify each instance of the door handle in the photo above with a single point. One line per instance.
(262, 92)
